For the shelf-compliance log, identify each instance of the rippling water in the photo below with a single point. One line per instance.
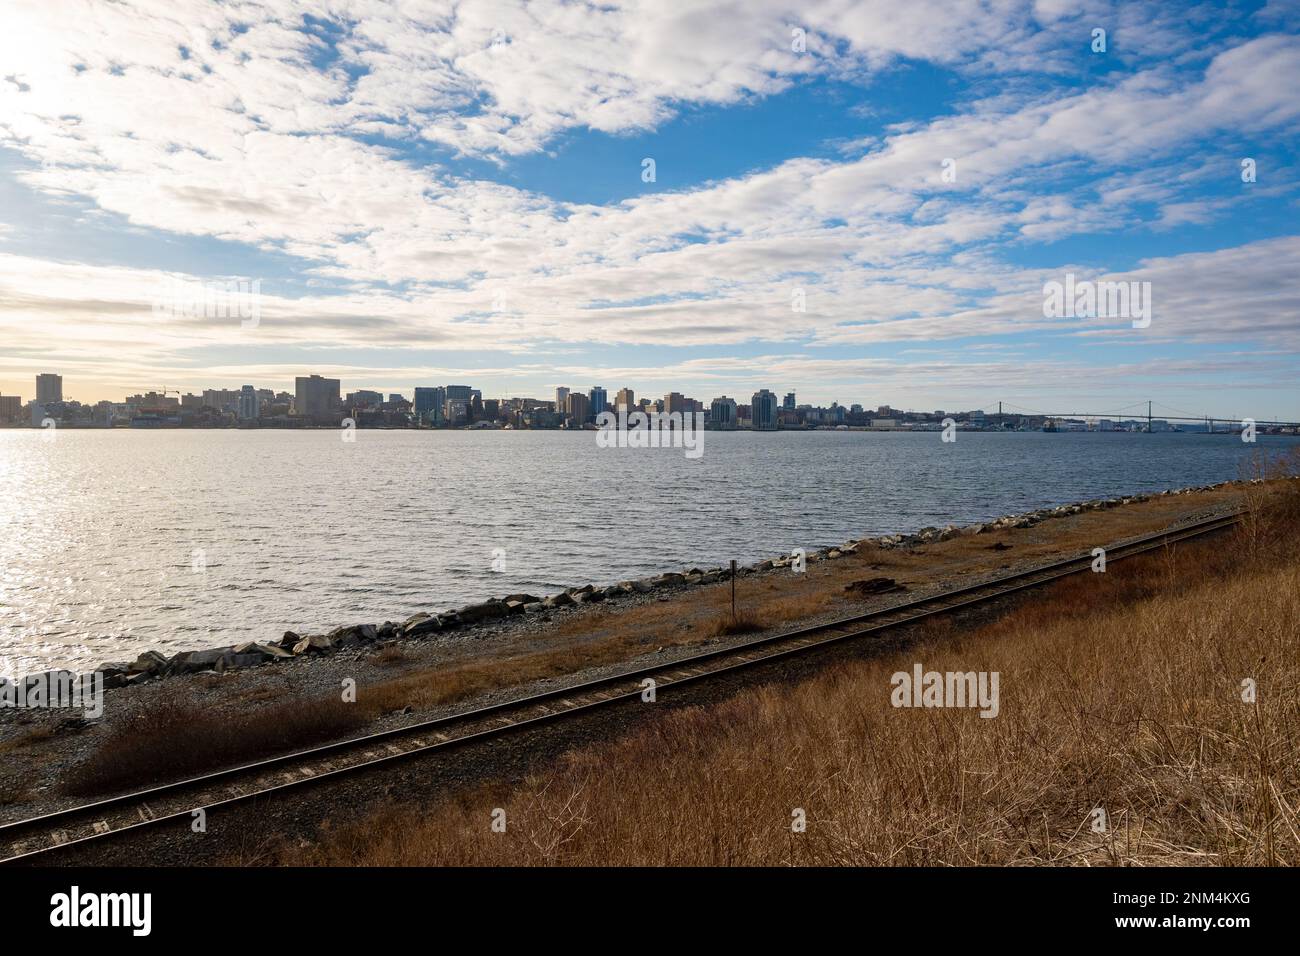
(117, 541)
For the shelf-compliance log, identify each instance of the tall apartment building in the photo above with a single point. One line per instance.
(763, 410)
(624, 401)
(224, 399)
(722, 413)
(430, 405)
(250, 406)
(599, 400)
(562, 400)
(578, 409)
(49, 388)
(316, 397)
(11, 408)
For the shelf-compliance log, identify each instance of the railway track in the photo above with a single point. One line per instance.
(126, 814)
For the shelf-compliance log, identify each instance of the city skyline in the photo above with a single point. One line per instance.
(319, 401)
(817, 199)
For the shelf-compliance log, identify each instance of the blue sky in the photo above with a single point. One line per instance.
(428, 193)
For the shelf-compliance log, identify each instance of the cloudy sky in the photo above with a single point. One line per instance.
(858, 201)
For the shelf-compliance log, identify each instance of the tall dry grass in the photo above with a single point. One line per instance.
(1119, 691)
(172, 738)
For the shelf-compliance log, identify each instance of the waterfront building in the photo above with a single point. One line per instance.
(363, 398)
(789, 403)
(624, 401)
(249, 404)
(457, 411)
(578, 410)
(49, 388)
(430, 405)
(763, 410)
(11, 409)
(460, 393)
(562, 400)
(677, 402)
(223, 399)
(722, 413)
(598, 399)
(315, 397)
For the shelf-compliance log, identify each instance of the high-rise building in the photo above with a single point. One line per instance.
(562, 400)
(578, 409)
(675, 402)
(315, 397)
(430, 405)
(763, 410)
(599, 399)
(49, 388)
(222, 399)
(457, 411)
(249, 404)
(788, 404)
(364, 398)
(11, 408)
(624, 401)
(722, 413)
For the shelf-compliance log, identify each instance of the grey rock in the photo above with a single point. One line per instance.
(487, 611)
(313, 644)
(521, 598)
(233, 661)
(150, 662)
(558, 600)
(422, 624)
(188, 662)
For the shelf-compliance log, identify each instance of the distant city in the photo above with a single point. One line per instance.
(319, 402)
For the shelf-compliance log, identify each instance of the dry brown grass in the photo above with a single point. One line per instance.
(1119, 690)
(726, 624)
(173, 738)
(390, 656)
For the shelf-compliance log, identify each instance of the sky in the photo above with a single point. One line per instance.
(859, 202)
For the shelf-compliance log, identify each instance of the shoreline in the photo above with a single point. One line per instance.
(401, 680)
(153, 665)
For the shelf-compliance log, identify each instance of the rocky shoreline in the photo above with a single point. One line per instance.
(153, 665)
